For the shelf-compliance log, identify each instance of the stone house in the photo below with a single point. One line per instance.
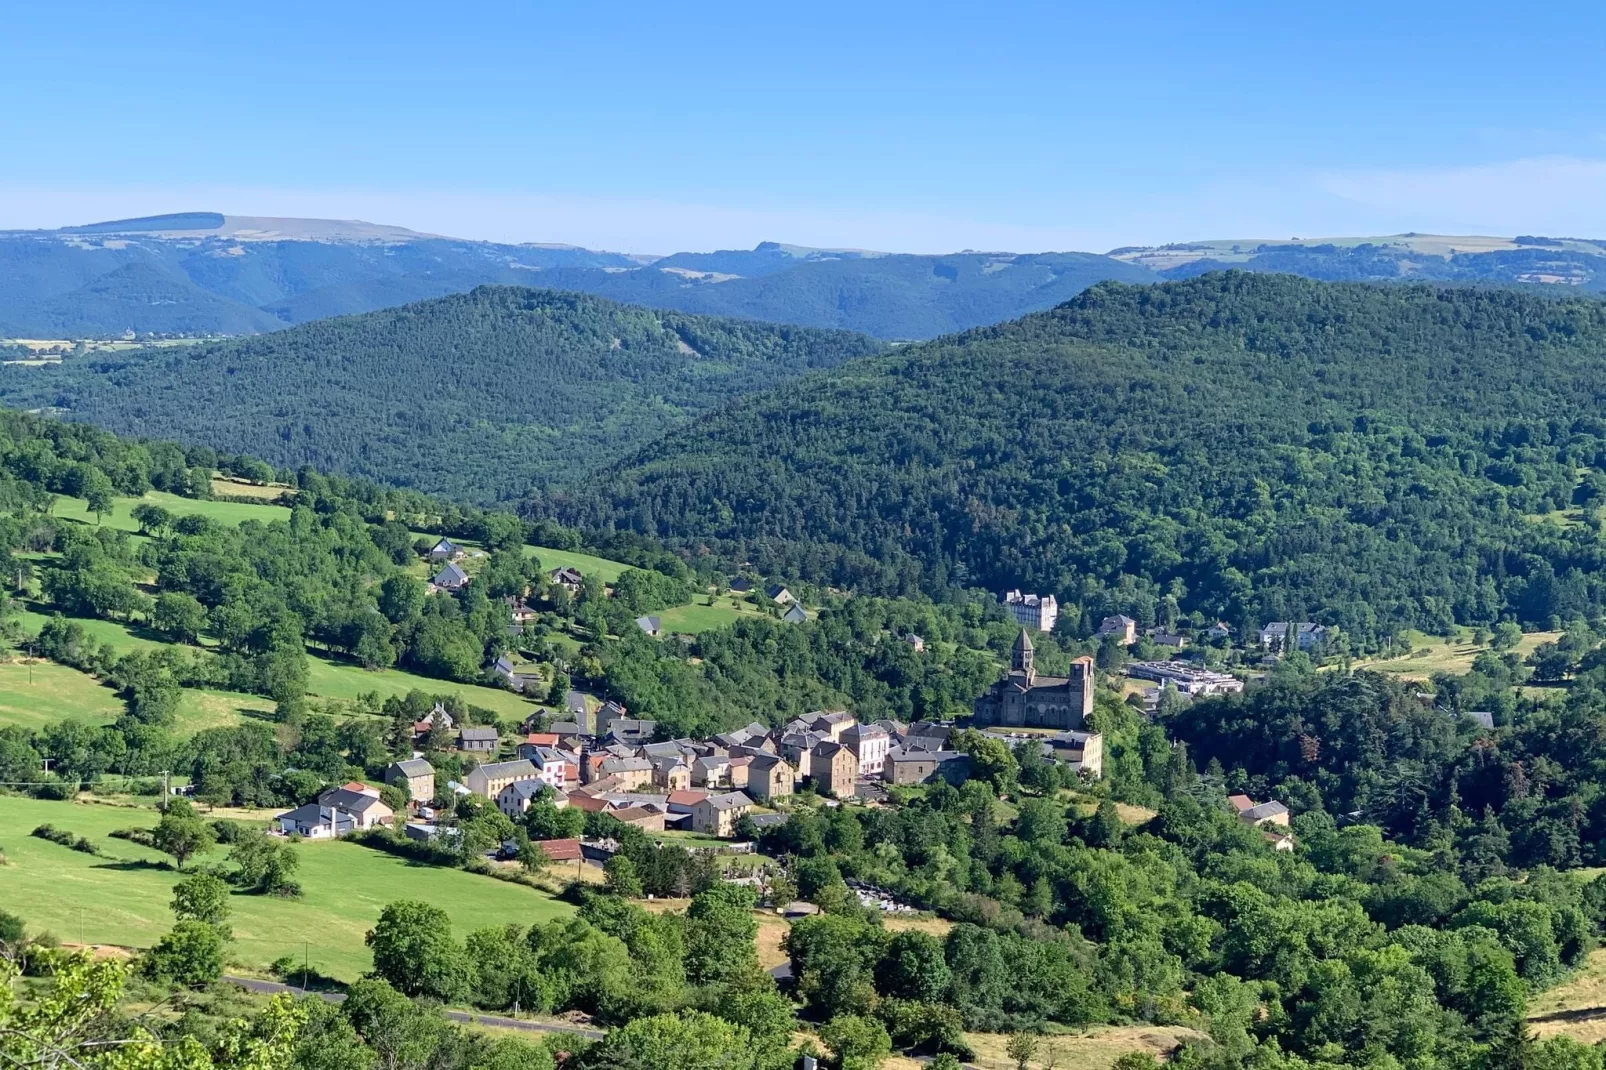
(489, 779)
(716, 815)
(414, 775)
(770, 778)
(834, 769)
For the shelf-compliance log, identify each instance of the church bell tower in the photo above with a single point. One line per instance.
(1020, 658)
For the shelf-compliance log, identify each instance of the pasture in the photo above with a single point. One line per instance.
(588, 565)
(122, 898)
(1432, 654)
(121, 516)
(694, 617)
(327, 678)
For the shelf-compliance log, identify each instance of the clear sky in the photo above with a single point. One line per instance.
(929, 127)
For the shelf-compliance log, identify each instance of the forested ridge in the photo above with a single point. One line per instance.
(1257, 446)
(472, 395)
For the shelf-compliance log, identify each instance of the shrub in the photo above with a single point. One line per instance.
(66, 839)
(134, 835)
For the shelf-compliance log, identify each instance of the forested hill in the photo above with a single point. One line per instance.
(1257, 446)
(470, 395)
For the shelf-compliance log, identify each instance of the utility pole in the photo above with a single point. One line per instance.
(306, 958)
(167, 788)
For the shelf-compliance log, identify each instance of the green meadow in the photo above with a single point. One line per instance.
(696, 617)
(327, 678)
(122, 517)
(588, 565)
(123, 898)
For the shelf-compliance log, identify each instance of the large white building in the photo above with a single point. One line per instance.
(1037, 612)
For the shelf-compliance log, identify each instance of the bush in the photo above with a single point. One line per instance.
(140, 836)
(66, 839)
(228, 830)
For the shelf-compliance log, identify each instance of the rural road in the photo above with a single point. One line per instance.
(274, 988)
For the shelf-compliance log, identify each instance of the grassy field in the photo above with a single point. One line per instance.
(121, 637)
(1577, 1008)
(1093, 1049)
(588, 565)
(695, 617)
(333, 679)
(33, 695)
(37, 692)
(199, 710)
(326, 678)
(121, 515)
(123, 898)
(239, 488)
(1434, 654)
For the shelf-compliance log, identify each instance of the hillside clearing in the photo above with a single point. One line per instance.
(1433, 654)
(606, 570)
(1577, 1008)
(327, 678)
(696, 617)
(1095, 1049)
(123, 898)
(121, 516)
(35, 693)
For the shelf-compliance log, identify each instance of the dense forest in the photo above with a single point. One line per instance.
(472, 395)
(1256, 447)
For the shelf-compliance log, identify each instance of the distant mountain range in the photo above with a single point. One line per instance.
(207, 273)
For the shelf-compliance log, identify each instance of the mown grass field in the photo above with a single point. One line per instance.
(33, 695)
(121, 515)
(236, 488)
(696, 617)
(588, 565)
(123, 898)
(1576, 1008)
(1434, 654)
(333, 679)
(1096, 1048)
(326, 679)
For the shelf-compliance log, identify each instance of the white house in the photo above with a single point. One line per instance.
(1307, 635)
(870, 744)
(1033, 611)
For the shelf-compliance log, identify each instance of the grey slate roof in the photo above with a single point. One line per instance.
(1264, 811)
(450, 576)
(520, 790)
(415, 767)
(517, 767)
(354, 801)
(730, 800)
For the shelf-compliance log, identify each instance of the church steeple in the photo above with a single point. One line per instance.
(1021, 655)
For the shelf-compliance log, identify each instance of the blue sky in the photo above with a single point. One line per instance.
(920, 127)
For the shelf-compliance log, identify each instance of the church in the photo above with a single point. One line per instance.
(1025, 699)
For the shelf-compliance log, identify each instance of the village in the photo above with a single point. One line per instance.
(598, 759)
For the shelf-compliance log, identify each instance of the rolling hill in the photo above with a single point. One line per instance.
(472, 395)
(1251, 445)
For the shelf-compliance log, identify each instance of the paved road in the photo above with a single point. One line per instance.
(274, 988)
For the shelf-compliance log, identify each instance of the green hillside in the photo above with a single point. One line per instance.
(1251, 445)
(473, 395)
(122, 898)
